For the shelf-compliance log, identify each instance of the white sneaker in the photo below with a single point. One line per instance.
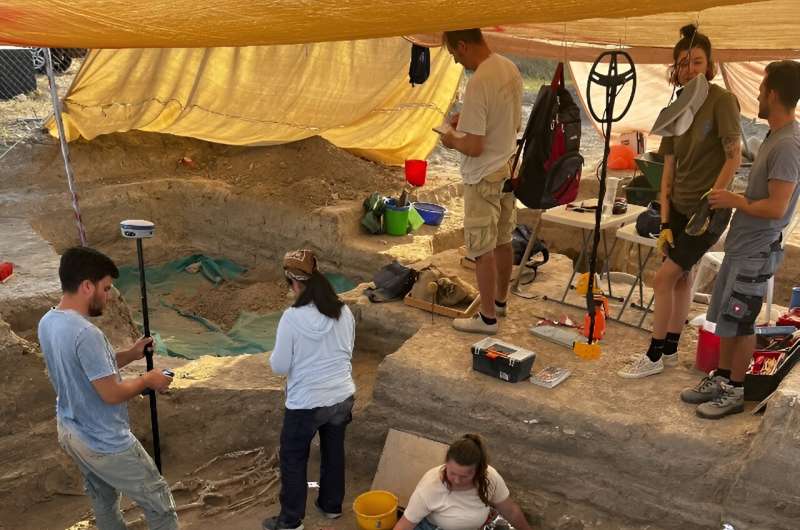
(670, 361)
(475, 325)
(501, 311)
(641, 367)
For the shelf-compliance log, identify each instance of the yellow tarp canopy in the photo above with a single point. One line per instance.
(744, 32)
(354, 94)
(214, 23)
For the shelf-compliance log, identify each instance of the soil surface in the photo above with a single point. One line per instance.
(311, 173)
(256, 291)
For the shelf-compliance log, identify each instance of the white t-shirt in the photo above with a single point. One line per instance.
(492, 108)
(453, 510)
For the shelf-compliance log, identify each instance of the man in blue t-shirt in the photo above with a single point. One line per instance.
(753, 248)
(91, 396)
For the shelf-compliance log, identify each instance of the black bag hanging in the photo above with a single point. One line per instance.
(420, 67)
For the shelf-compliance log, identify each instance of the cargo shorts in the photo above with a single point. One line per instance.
(490, 215)
(739, 291)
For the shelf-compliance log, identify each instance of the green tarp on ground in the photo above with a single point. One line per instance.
(181, 334)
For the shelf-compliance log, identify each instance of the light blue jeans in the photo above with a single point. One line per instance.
(131, 472)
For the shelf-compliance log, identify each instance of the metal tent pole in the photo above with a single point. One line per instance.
(64, 147)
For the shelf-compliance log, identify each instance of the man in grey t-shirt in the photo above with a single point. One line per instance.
(753, 248)
(91, 412)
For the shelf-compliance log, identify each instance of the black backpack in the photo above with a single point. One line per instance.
(392, 282)
(420, 67)
(548, 154)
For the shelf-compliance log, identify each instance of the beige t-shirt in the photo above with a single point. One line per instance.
(699, 152)
(493, 109)
(453, 510)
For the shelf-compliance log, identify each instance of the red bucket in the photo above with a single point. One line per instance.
(707, 357)
(415, 172)
(6, 270)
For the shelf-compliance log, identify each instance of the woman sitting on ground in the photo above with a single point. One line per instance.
(314, 348)
(461, 494)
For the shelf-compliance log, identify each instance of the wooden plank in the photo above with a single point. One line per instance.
(445, 311)
(405, 458)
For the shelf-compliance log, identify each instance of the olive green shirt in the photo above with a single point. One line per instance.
(699, 152)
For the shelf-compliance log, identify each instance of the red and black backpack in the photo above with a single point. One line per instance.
(547, 167)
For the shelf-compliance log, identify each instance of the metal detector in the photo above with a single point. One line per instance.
(139, 229)
(612, 81)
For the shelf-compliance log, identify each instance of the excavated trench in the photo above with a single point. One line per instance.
(218, 406)
(575, 456)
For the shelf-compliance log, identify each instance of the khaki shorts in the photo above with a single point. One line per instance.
(490, 215)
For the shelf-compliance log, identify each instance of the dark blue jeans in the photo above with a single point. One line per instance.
(299, 428)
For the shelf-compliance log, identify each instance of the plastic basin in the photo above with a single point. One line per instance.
(433, 214)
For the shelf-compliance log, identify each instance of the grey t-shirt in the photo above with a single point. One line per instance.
(779, 159)
(77, 353)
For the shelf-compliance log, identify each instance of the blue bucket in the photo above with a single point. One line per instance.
(795, 302)
(431, 213)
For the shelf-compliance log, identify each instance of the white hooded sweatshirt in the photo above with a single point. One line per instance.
(315, 352)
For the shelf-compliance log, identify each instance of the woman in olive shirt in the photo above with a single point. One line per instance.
(705, 157)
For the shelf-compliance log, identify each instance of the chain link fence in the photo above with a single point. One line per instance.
(25, 101)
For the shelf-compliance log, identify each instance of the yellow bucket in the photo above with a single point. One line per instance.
(376, 510)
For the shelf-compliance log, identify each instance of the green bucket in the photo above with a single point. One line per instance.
(395, 219)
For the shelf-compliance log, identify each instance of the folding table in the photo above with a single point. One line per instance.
(629, 233)
(584, 220)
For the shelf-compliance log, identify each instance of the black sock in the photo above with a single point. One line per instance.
(722, 372)
(656, 349)
(500, 304)
(737, 384)
(671, 343)
(487, 320)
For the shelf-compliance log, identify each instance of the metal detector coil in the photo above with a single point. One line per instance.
(137, 229)
(612, 81)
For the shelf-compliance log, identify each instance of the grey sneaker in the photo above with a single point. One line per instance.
(475, 325)
(501, 311)
(706, 390)
(641, 367)
(729, 401)
(670, 361)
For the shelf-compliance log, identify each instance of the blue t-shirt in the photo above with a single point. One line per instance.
(778, 159)
(77, 353)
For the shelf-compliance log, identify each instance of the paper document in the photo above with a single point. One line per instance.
(446, 128)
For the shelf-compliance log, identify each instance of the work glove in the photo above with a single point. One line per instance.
(665, 238)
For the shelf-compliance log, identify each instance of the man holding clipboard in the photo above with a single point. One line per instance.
(486, 134)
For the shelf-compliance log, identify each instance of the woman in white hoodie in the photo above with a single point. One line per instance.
(314, 349)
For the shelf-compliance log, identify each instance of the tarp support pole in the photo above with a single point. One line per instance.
(64, 147)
